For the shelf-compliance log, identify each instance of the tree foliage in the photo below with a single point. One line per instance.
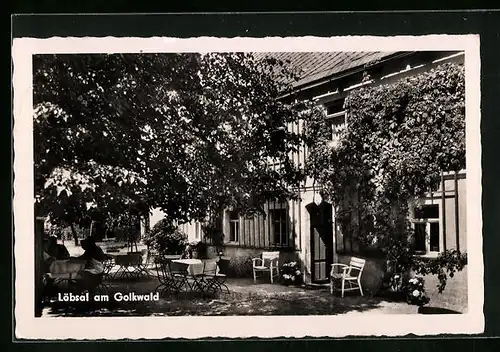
(187, 133)
(166, 238)
(400, 137)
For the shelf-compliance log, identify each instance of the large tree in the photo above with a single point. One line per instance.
(187, 133)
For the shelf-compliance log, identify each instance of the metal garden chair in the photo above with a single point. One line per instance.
(168, 281)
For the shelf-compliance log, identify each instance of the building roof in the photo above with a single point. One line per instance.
(317, 66)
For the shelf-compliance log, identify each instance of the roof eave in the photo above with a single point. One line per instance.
(342, 74)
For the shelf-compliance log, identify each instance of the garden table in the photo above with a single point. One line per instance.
(66, 269)
(193, 267)
(64, 272)
(191, 270)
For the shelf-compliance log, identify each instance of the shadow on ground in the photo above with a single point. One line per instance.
(245, 298)
(436, 310)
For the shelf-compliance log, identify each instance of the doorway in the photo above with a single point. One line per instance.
(321, 241)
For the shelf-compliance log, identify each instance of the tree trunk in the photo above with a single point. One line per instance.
(39, 234)
(91, 228)
(75, 235)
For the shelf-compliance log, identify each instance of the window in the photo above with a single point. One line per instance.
(234, 227)
(334, 106)
(335, 116)
(427, 229)
(271, 229)
(278, 218)
(337, 124)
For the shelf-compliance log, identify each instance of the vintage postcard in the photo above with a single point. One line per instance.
(247, 187)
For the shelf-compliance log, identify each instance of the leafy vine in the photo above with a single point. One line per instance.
(400, 138)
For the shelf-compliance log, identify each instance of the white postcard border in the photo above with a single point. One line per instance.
(350, 324)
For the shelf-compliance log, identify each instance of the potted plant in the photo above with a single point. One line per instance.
(166, 239)
(290, 274)
(213, 231)
(396, 283)
(197, 250)
(415, 292)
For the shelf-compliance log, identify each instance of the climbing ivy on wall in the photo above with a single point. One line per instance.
(400, 137)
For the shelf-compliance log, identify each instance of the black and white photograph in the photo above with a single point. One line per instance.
(236, 187)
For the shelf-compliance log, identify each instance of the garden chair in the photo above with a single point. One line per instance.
(195, 280)
(220, 280)
(268, 262)
(151, 256)
(129, 265)
(144, 266)
(94, 284)
(208, 280)
(347, 274)
(168, 281)
(213, 280)
(109, 264)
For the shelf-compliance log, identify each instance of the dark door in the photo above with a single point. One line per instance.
(321, 241)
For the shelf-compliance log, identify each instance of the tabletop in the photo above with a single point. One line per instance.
(192, 266)
(171, 257)
(188, 261)
(66, 268)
